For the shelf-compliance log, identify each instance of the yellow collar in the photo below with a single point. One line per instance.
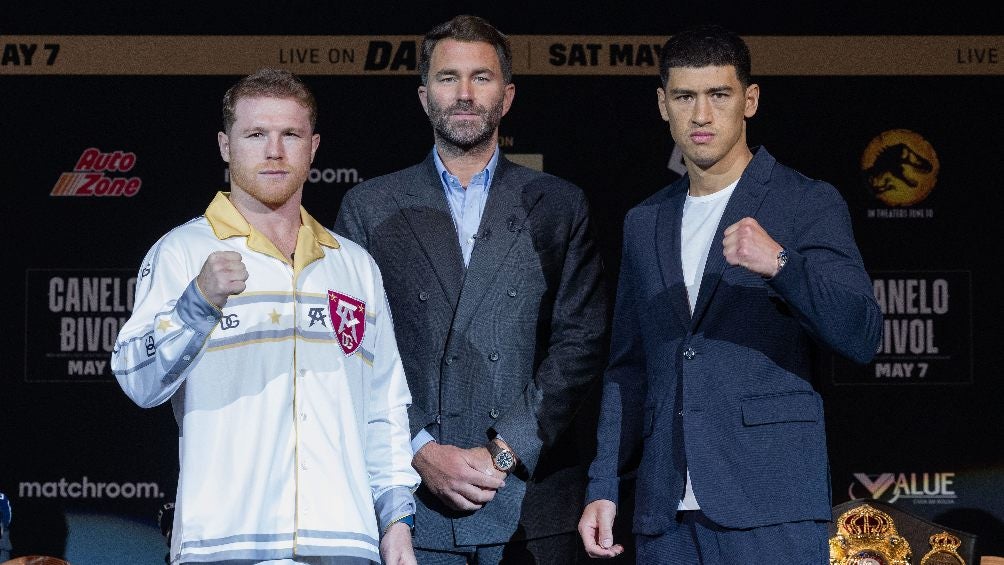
(228, 222)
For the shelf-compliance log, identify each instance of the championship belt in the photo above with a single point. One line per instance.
(943, 552)
(868, 536)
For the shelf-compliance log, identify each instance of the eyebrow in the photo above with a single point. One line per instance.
(479, 71)
(709, 90)
(258, 128)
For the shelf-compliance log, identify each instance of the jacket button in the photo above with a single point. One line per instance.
(494, 356)
(689, 353)
(494, 413)
(423, 296)
(511, 292)
(449, 360)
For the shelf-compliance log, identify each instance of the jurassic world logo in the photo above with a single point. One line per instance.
(900, 169)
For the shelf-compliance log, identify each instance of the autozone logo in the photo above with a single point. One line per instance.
(90, 175)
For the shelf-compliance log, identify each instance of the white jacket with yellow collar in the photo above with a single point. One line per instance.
(291, 401)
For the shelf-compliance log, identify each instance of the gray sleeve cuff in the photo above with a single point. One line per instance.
(393, 505)
(196, 311)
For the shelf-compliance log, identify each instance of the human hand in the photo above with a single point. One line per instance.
(395, 547)
(596, 529)
(748, 245)
(464, 479)
(222, 274)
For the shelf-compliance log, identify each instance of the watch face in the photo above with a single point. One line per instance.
(504, 460)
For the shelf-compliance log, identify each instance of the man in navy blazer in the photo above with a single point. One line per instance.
(730, 278)
(495, 283)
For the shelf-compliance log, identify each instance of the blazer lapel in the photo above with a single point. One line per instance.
(428, 214)
(745, 201)
(501, 224)
(667, 240)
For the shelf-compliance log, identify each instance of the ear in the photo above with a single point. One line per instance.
(663, 111)
(315, 140)
(423, 93)
(752, 100)
(224, 142)
(508, 94)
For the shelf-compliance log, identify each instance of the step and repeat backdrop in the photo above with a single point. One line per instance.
(110, 141)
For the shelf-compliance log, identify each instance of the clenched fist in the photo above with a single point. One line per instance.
(748, 245)
(222, 274)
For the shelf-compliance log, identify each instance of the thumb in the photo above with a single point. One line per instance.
(604, 532)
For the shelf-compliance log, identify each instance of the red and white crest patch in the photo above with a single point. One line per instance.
(348, 318)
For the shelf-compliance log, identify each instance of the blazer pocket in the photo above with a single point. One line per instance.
(802, 406)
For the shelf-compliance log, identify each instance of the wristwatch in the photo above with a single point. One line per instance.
(782, 260)
(502, 457)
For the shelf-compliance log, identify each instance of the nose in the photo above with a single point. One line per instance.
(702, 111)
(465, 91)
(274, 148)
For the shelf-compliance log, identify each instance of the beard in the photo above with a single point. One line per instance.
(271, 194)
(469, 134)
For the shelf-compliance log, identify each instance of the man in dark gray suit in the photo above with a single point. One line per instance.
(495, 285)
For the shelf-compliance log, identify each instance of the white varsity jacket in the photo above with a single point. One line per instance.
(291, 402)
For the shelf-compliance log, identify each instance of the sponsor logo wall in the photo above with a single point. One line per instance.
(905, 126)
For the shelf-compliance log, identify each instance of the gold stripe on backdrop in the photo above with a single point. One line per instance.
(533, 55)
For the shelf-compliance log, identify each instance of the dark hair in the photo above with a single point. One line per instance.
(706, 45)
(467, 28)
(272, 83)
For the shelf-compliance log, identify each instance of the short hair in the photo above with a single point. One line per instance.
(706, 45)
(271, 83)
(467, 28)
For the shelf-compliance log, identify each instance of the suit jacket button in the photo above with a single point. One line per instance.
(494, 356)
(423, 296)
(494, 413)
(449, 360)
(511, 292)
(689, 353)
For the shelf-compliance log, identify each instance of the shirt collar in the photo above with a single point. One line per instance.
(488, 172)
(228, 222)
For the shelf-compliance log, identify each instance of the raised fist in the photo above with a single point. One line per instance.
(222, 274)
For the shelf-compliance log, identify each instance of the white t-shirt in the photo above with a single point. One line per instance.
(701, 215)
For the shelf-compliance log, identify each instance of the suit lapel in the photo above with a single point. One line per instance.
(501, 224)
(745, 201)
(667, 240)
(427, 212)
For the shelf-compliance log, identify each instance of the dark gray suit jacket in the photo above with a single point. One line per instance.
(514, 343)
(728, 391)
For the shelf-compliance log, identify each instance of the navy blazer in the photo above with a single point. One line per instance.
(727, 391)
(513, 343)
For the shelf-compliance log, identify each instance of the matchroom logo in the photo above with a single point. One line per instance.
(88, 489)
(90, 176)
(900, 169)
